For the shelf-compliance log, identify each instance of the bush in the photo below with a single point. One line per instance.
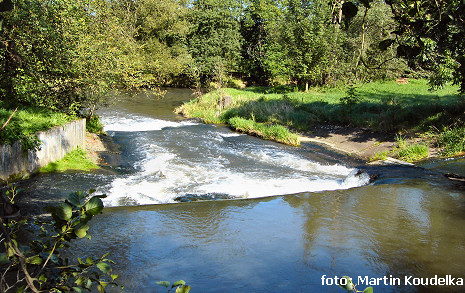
(94, 125)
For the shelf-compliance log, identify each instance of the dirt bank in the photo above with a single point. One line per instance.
(102, 150)
(358, 142)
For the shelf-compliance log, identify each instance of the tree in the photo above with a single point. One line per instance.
(214, 39)
(301, 44)
(39, 266)
(161, 32)
(255, 30)
(431, 35)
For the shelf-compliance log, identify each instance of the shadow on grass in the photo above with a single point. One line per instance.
(408, 99)
(363, 121)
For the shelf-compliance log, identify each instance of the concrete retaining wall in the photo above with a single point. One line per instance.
(56, 143)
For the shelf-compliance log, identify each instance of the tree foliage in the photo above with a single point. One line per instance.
(67, 55)
(214, 39)
(39, 266)
(432, 37)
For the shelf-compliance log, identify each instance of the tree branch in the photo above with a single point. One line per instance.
(11, 116)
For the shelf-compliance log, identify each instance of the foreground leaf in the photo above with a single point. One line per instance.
(64, 211)
(77, 198)
(81, 230)
(104, 267)
(34, 260)
(178, 283)
(94, 206)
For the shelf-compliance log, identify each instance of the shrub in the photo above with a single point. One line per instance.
(452, 140)
(94, 125)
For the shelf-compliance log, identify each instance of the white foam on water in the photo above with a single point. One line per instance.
(135, 123)
(301, 164)
(163, 176)
(232, 134)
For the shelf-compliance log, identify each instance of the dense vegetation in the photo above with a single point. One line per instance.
(67, 56)
(381, 106)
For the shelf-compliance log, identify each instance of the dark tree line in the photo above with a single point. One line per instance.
(67, 55)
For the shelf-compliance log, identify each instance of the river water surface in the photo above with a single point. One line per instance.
(272, 218)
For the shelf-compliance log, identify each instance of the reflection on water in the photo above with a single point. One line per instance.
(408, 222)
(285, 244)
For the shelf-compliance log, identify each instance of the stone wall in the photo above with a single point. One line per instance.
(56, 143)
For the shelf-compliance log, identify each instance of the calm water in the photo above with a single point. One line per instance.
(296, 213)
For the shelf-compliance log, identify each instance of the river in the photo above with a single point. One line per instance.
(271, 218)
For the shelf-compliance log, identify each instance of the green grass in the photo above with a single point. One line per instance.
(410, 152)
(452, 140)
(27, 121)
(75, 160)
(379, 156)
(274, 132)
(380, 106)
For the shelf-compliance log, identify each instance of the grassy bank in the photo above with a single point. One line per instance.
(380, 106)
(26, 122)
(77, 159)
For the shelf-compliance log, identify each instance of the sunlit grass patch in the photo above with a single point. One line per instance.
(27, 121)
(274, 132)
(410, 152)
(77, 159)
(452, 140)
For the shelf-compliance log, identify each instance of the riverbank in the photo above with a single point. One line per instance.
(371, 121)
(101, 150)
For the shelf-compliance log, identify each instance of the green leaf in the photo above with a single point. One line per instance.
(64, 211)
(164, 283)
(81, 230)
(77, 289)
(34, 260)
(43, 278)
(104, 267)
(89, 260)
(178, 283)
(77, 198)
(94, 206)
(4, 259)
(349, 285)
(113, 277)
(79, 281)
(87, 283)
(183, 289)
(101, 287)
(368, 290)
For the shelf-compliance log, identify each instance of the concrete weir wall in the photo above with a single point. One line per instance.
(56, 143)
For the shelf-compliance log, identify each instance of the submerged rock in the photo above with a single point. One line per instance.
(200, 197)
